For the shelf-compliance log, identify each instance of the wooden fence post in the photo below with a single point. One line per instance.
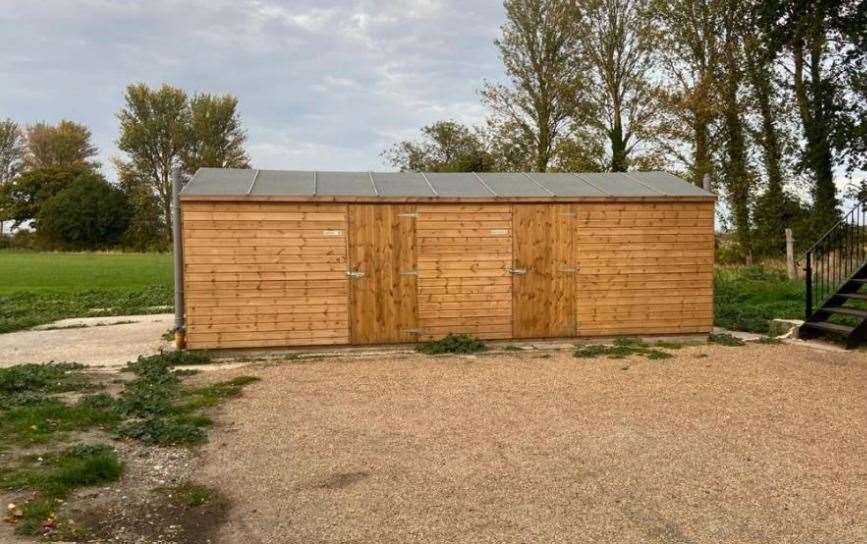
(790, 255)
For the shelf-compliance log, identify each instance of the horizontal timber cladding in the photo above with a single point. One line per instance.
(464, 261)
(269, 274)
(644, 268)
(265, 274)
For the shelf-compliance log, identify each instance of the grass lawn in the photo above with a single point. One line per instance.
(37, 288)
(747, 298)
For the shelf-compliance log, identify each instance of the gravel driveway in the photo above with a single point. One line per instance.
(749, 444)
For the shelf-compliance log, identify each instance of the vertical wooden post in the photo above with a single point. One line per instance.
(705, 183)
(790, 255)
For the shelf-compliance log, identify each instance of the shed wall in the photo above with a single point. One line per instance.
(274, 273)
(644, 268)
(265, 274)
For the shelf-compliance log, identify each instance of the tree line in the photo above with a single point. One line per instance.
(50, 180)
(768, 98)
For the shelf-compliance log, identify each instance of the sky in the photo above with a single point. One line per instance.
(323, 85)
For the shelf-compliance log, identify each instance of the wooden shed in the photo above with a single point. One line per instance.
(290, 258)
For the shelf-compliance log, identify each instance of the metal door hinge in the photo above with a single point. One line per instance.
(568, 270)
(353, 274)
(407, 215)
(409, 273)
(411, 331)
(518, 271)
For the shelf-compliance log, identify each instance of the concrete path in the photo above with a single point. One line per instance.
(93, 341)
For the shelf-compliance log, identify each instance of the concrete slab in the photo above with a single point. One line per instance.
(93, 341)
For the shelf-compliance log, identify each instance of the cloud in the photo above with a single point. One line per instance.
(324, 85)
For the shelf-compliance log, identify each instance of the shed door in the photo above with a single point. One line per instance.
(543, 284)
(382, 274)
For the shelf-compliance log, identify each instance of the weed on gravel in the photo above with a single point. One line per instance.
(452, 343)
(725, 339)
(622, 348)
(44, 403)
(53, 476)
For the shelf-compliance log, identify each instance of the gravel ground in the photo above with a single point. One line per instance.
(92, 341)
(742, 444)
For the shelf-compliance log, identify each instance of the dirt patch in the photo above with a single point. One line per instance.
(762, 443)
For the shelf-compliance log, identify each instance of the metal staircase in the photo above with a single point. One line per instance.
(835, 270)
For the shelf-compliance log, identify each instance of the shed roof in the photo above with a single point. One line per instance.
(248, 184)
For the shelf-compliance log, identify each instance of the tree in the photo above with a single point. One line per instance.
(155, 134)
(146, 229)
(11, 156)
(738, 180)
(540, 51)
(12, 150)
(216, 138)
(445, 146)
(826, 41)
(690, 58)
(22, 198)
(619, 38)
(88, 214)
(65, 145)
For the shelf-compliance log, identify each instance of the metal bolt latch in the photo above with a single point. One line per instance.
(518, 271)
(353, 274)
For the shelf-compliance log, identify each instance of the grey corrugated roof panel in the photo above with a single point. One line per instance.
(668, 184)
(402, 184)
(563, 184)
(226, 183)
(513, 184)
(618, 184)
(458, 185)
(344, 184)
(283, 182)
(220, 181)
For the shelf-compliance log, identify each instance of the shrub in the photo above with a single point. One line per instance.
(88, 214)
(452, 343)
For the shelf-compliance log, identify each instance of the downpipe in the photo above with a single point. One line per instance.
(178, 252)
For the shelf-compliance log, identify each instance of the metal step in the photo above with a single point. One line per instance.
(856, 296)
(829, 327)
(846, 311)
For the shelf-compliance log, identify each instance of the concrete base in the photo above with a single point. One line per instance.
(785, 327)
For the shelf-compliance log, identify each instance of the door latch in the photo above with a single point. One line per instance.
(355, 275)
(518, 271)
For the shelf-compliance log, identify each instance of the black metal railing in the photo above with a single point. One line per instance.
(835, 257)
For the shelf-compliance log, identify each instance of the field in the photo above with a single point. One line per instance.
(37, 288)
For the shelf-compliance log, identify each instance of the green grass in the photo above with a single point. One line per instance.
(53, 476)
(622, 348)
(41, 287)
(747, 298)
(452, 343)
(159, 410)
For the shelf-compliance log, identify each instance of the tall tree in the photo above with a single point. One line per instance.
(11, 157)
(216, 136)
(775, 209)
(540, 50)
(619, 39)
(65, 145)
(445, 146)
(689, 58)
(825, 39)
(12, 149)
(737, 177)
(155, 133)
